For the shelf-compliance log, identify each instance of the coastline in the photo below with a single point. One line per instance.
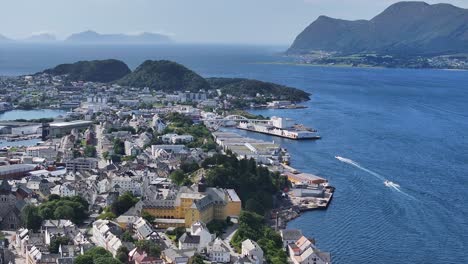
(351, 66)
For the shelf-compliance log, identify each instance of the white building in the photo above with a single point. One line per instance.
(105, 234)
(143, 229)
(64, 190)
(47, 152)
(252, 250)
(303, 251)
(176, 139)
(126, 184)
(290, 236)
(198, 238)
(158, 124)
(81, 164)
(218, 251)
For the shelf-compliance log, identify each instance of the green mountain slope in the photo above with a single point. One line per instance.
(164, 75)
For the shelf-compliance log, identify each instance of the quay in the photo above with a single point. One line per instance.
(281, 127)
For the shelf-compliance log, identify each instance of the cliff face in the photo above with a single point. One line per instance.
(403, 28)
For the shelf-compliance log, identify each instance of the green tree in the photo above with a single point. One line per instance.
(151, 248)
(84, 259)
(122, 254)
(64, 212)
(147, 216)
(123, 203)
(30, 217)
(179, 177)
(90, 151)
(119, 147)
(127, 237)
(56, 242)
(196, 259)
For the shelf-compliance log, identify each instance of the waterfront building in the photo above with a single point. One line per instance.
(304, 251)
(290, 236)
(15, 171)
(60, 129)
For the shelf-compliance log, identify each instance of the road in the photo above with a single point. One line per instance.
(99, 135)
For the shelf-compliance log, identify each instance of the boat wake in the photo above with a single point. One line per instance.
(387, 183)
(357, 165)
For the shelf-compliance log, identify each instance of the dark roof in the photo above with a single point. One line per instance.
(5, 187)
(291, 234)
(189, 239)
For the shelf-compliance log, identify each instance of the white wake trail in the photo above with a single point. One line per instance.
(387, 183)
(357, 165)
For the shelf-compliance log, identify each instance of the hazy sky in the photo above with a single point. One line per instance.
(210, 21)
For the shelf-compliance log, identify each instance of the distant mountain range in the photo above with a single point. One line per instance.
(42, 37)
(93, 37)
(4, 39)
(405, 28)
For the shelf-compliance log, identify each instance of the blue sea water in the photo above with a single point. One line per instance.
(406, 126)
(31, 114)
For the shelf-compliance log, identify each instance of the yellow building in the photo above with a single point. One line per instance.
(186, 205)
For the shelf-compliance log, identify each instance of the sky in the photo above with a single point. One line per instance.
(275, 22)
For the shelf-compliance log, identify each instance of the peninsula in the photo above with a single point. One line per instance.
(143, 160)
(406, 34)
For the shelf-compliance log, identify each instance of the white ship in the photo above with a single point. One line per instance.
(281, 127)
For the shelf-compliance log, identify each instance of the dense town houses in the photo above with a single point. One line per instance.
(135, 172)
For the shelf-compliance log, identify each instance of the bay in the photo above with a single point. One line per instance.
(407, 126)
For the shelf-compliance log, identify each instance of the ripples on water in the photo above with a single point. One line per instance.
(409, 126)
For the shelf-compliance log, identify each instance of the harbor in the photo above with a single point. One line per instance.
(307, 192)
(281, 127)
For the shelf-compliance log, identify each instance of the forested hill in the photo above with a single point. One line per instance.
(246, 87)
(165, 75)
(92, 71)
(169, 77)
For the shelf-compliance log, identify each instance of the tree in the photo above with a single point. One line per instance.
(122, 254)
(53, 197)
(189, 167)
(84, 259)
(56, 242)
(30, 217)
(196, 259)
(178, 177)
(90, 151)
(147, 216)
(119, 147)
(123, 203)
(254, 205)
(64, 212)
(127, 237)
(151, 248)
(73, 208)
